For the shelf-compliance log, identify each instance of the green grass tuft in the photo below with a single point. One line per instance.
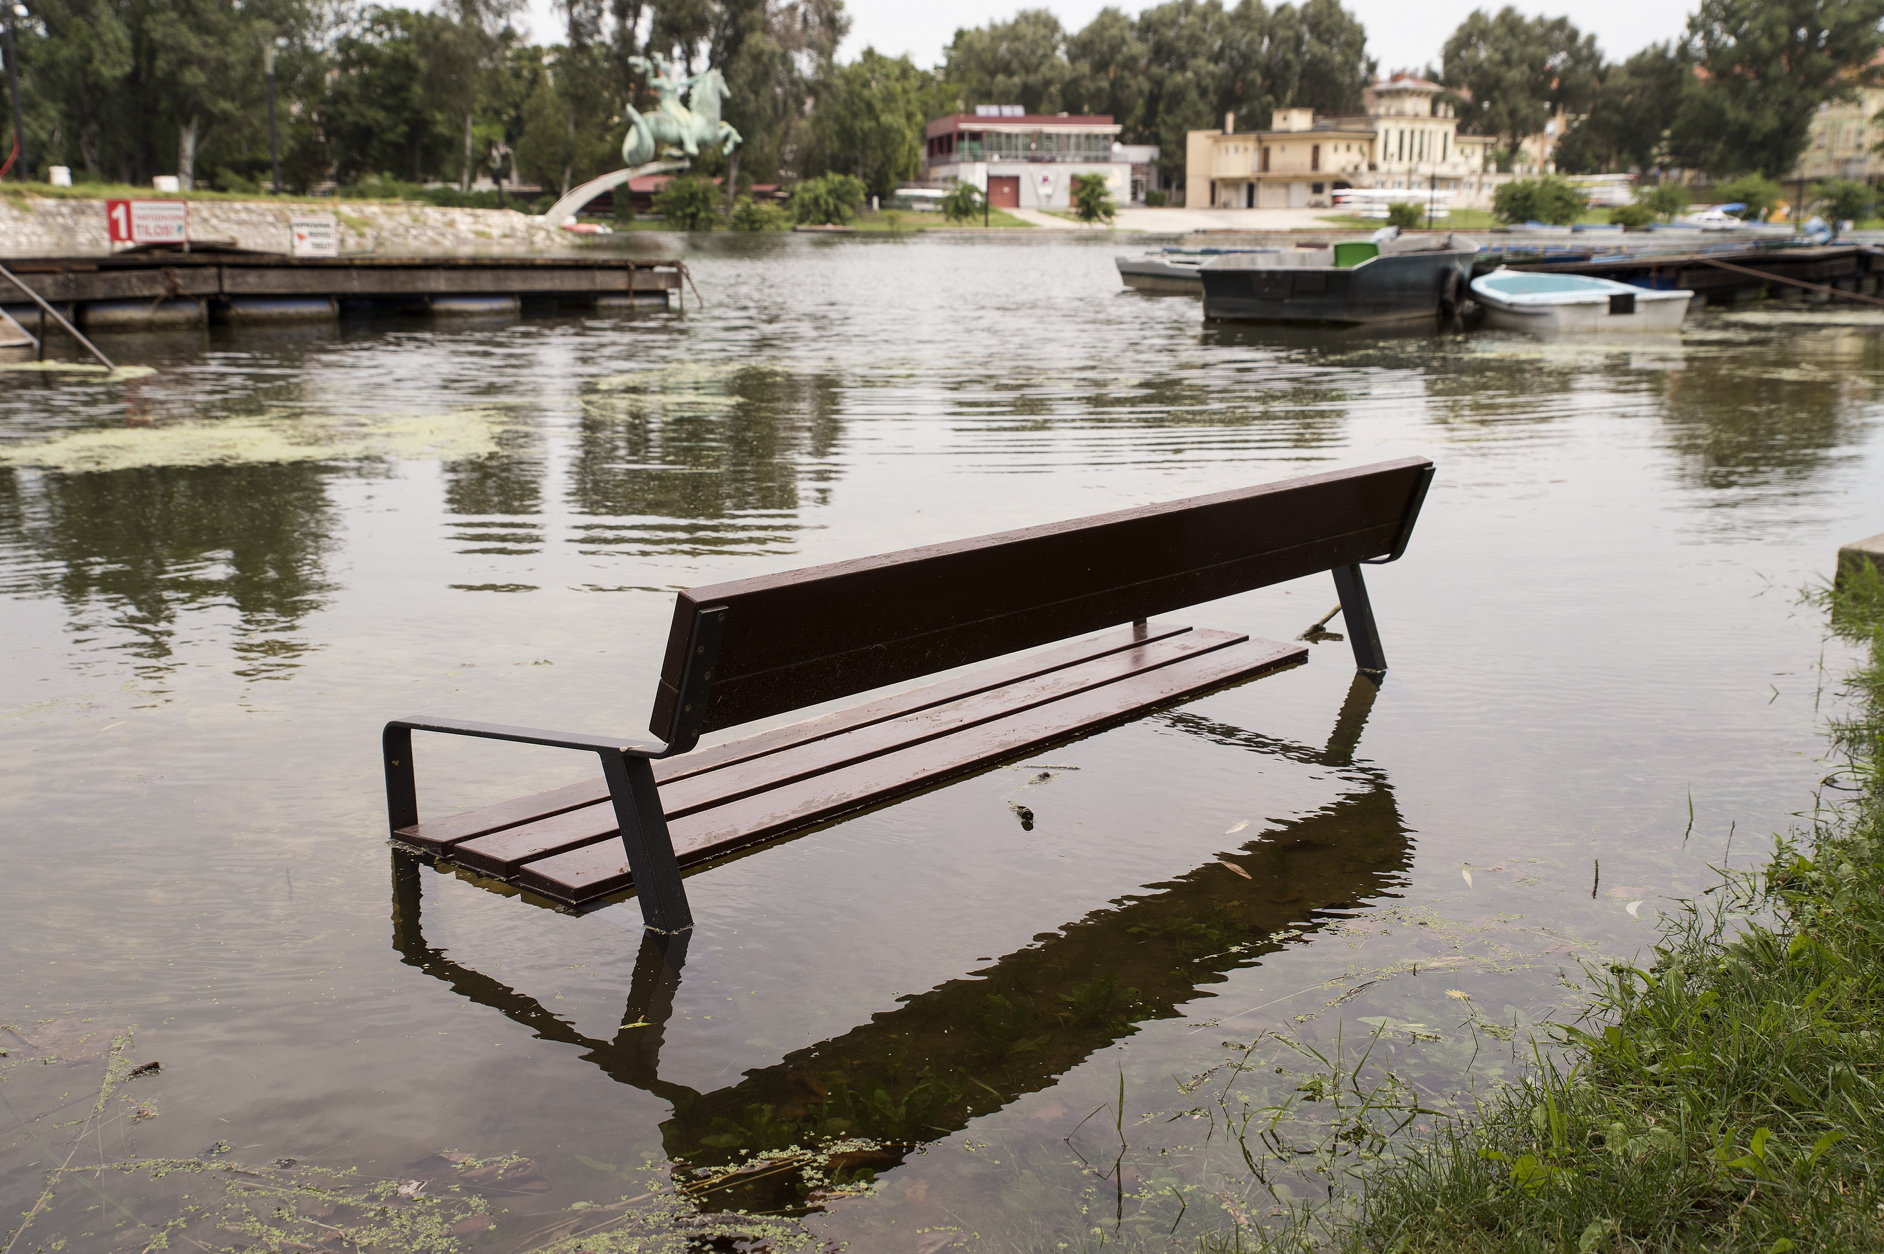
(1728, 1095)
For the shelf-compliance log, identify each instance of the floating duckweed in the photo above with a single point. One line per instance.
(247, 441)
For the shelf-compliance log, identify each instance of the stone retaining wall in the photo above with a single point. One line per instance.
(36, 227)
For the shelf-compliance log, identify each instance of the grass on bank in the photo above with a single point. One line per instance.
(1728, 1095)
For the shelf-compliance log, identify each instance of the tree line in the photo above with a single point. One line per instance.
(121, 90)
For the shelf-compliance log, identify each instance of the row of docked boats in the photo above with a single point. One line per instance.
(1393, 278)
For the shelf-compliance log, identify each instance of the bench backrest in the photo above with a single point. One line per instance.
(802, 637)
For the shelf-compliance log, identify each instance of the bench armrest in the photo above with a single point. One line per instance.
(529, 736)
(402, 790)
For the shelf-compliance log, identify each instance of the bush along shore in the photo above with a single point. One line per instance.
(1725, 1095)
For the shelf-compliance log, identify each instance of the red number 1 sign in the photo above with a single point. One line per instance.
(147, 221)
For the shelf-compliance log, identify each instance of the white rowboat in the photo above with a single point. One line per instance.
(1522, 300)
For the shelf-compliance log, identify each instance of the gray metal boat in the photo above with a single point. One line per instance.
(1172, 269)
(1349, 284)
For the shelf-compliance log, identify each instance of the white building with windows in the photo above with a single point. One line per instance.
(1405, 139)
(1026, 160)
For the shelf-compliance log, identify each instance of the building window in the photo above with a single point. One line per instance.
(1265, 166)
(1314, 156)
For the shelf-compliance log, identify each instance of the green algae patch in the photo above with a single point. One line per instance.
(121, 374)
(451, 436)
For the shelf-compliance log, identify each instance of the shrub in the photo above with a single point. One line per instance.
(1548, 199)
(1092, 202)
(1844, 200)
(828, 200)
(1632, 217)
(749, 215)
(1667, 201)
(1757, 192)
(1154, 200)
(1405, 214)
(689, 203)
(962, 202)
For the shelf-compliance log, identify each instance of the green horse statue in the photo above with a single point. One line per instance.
(674, 127)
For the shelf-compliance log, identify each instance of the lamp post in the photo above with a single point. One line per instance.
(14, 12)
(274, 135)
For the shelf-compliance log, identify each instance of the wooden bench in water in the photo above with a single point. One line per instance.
(754, 648)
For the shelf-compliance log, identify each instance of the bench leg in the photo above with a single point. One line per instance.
(645, 839)
(1357, 614)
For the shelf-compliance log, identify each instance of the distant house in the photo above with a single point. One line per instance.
(1843, 140)
(1405, 139)
(1025, 160)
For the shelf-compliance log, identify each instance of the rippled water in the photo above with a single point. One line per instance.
(219, 579)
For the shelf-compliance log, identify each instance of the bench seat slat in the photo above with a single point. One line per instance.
(503, 852)
(600, 868)
(440, 835)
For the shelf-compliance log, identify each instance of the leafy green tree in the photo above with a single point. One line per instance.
(1185, 40)
(1316, 57)
(1627, 124)
(1511, 71)
(749, 215)
(689, 203)
(1767, 67)
(1631, 217)
(374, 112)
(1844, 200)
(1758, 193)
(1405, 214)
(1548, 199)
(962, 202)
(869, 119)
(546, 151)
(1092, 199)
(1106, 63)
(1021, 61)
(1667, 200)
(828, 200)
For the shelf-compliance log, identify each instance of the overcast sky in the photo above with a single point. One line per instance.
(1401, 35)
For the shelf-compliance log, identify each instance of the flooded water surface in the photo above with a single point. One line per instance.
(935, 1027)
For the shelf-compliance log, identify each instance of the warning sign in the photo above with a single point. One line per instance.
(148, 221)
(315, 235)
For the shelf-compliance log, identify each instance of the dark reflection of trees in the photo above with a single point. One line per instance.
(507, 481)
(703, 446)
(973, 1045)
(1772, 411)
(133, 549)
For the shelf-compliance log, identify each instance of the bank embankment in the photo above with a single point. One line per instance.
(35, 226)
(1727, 1094)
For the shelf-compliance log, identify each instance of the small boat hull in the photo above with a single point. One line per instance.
(1402, 286)
(1559, 304)
(1148, 274)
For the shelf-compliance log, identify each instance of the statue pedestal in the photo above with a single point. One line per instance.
(572, 202)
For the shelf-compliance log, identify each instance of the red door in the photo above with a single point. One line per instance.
(1004, 191)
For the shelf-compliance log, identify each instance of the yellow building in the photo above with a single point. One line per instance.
(1843, 140)
(1405, 139)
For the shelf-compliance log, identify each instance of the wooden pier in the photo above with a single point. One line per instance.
(169, 287)
(1719, 276)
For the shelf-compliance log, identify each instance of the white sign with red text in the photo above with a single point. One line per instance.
(148, 221)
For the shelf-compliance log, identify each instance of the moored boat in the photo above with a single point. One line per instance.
(1172, 269)
(1527, 301)
(1399, 279)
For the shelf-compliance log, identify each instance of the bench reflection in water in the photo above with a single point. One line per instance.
(971, 1046)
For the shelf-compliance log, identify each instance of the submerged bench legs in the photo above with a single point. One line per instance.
(644, 838)
(1357, 614)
